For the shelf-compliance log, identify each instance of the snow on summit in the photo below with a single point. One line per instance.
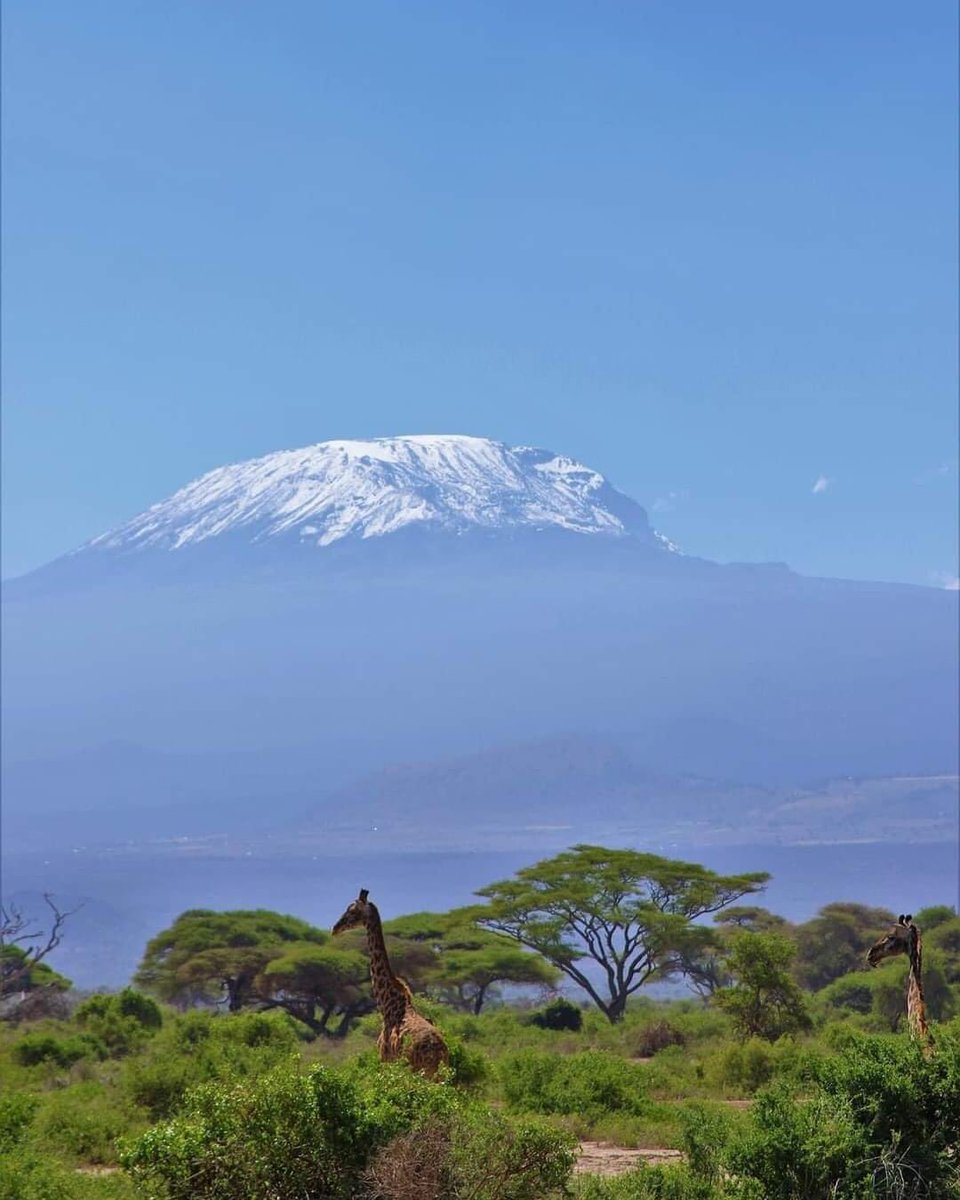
(366, 489)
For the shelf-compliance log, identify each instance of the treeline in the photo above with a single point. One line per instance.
(609, 921)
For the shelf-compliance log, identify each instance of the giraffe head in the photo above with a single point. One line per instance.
(901, 938)
(356, 913)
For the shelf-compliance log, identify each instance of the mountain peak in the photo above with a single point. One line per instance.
(343, 489)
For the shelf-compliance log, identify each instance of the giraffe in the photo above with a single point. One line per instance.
(406, 1033)
(904, 938)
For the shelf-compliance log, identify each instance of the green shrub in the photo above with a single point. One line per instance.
(17, 1111)
(35, 1048)
(559, 1014)
(589, 1083)
(883, 1121)
(648, 1183)
(468, 1068)
(321, 1132)
(121, 1022)
(204, 1047)
(26, 1176)
(286, 1134)
(82, 1123)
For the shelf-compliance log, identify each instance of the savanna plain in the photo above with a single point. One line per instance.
(242, 1061)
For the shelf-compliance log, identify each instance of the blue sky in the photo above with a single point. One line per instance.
(708, 249)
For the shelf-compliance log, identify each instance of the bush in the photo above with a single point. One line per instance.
(204, 1047)
(25, 1176)
(559, 1014)
(35, 1048)
(883, 1121)
(745, 1067)
(468, 1068)
(651, 1039)
(121, 1022)
(476, 1154)
(590, 1083)
(82, 1123)
(321, 1132)
(17, 1110)
(286, 1134)
(648, 1183)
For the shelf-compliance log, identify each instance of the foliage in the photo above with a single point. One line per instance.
(836, 942)
(588, 1083)
(629, 912)
(883, 1121)
(82, 1123)
(466, 963)
(292, 1133)
(35, 1048)
(745, 1067)
(201, 1047)
(204, 952)
(476, 1155)
(944, 939)
(933, 917)
(559, 1014)
(258, 958)
(25, 974)
(880, 994)
(314, 982)
(17, 1110)
(119, 1022)
(647, 1183)
(764, 1001)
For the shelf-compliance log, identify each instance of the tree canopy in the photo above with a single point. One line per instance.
(836, 940)
(763, 999)
(206, 954)
(631, 914)
(468, 962)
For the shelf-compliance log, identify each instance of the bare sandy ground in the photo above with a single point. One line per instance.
(600, 1158)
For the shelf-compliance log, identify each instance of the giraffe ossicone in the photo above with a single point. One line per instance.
(406, 1033)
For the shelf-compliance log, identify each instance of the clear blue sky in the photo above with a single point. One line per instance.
(710, 249)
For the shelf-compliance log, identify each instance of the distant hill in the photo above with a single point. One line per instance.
(558, 791)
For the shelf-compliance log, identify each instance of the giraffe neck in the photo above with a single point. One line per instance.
(916, 1004)
(389, 992)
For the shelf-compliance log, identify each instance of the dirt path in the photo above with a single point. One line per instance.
(600, 1158)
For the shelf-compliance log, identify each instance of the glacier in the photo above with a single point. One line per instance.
(347, 489)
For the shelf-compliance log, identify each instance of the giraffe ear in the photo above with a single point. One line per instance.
(363, 895)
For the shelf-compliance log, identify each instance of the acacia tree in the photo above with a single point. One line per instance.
(24, 946)
(467, 963)
(611, 920)
(261, 959)
(316, 982)
(704, 960)
(207, 955)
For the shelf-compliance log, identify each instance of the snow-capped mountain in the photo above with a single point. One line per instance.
(340, 490)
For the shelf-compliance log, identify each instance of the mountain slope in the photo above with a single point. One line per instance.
(456, 593)
(365, 489)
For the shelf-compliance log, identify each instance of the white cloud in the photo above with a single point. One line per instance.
(950, 583)
(821, 485)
